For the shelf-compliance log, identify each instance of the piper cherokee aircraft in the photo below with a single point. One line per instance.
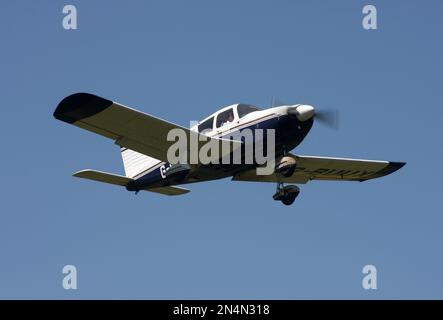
(144, 145)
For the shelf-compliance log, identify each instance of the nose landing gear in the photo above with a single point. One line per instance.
(286, 194)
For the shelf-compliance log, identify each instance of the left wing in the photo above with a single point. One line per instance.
(324, 168)
(129, 128)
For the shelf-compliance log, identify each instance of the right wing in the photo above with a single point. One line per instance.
(326, 168)
(129, 128)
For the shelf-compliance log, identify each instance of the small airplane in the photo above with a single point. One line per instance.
(144, 144)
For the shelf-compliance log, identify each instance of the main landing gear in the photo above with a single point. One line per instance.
(286, 194)
(285, 167)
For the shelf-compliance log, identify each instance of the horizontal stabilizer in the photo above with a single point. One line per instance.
(123, 181)
(103, 177)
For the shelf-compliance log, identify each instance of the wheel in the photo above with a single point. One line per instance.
(289, 199)
(286, 194)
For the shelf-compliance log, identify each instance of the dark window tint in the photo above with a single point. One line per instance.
(206, 126)
(244, 109)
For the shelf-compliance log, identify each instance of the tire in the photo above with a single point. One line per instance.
(289, 199)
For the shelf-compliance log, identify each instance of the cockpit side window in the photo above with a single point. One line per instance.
(244, 109)
(225, 117)
(206, 125)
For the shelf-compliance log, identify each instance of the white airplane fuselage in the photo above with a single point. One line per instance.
(289, 133)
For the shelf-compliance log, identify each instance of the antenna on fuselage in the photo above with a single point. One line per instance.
(275, 102)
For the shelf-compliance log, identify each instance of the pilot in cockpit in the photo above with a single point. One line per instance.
(229, 118)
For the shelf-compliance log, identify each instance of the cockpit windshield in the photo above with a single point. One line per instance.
(244, 109)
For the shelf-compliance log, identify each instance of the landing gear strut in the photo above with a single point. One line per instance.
(286, 194)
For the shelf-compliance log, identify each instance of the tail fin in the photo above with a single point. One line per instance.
(135, 162)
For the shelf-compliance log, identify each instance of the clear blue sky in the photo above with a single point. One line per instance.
(182, 60)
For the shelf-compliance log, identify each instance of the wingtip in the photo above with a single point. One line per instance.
(390, 168)
(394, 166)
(81, 172)
(80, 105)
